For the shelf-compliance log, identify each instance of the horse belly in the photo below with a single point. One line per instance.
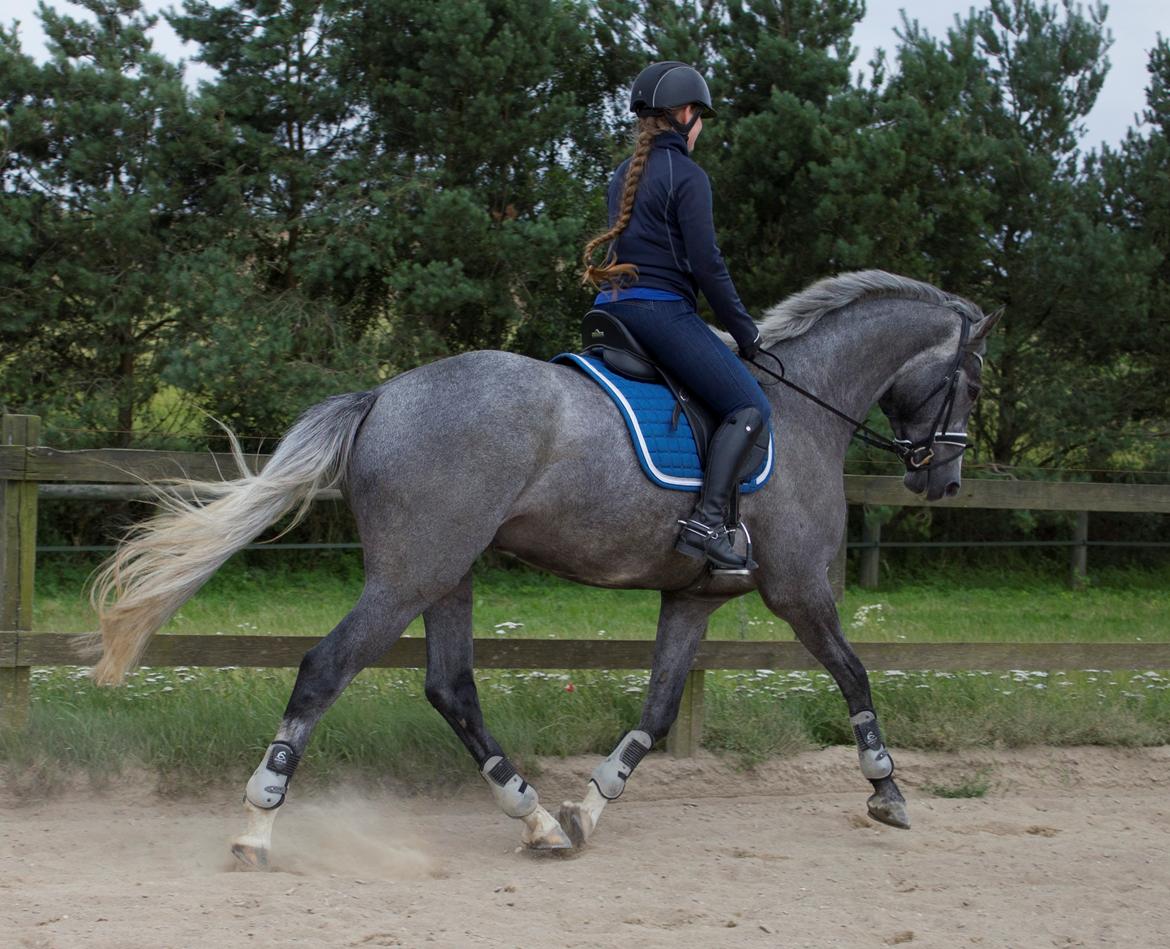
(592, 516)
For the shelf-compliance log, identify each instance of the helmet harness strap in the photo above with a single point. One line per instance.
(683, 130)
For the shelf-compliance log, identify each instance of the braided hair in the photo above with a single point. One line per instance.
(610, 271)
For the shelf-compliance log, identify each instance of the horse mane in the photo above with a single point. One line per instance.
(799, 313)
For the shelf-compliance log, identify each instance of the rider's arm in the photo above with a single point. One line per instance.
(695, 218)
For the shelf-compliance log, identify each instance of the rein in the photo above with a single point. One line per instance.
(914, 455)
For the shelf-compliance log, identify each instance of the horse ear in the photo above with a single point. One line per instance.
(987, 324)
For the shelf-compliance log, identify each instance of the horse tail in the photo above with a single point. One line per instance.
(162, 562)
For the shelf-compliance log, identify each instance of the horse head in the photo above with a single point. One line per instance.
(928, 406)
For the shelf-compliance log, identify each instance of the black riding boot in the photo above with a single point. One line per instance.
(705, 533)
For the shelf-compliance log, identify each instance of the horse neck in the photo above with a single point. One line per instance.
(849, 357)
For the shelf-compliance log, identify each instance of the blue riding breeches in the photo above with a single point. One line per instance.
(678, 340)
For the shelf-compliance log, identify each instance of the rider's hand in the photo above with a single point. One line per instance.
(748, 350)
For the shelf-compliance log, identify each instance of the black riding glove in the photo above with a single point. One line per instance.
(747, 351)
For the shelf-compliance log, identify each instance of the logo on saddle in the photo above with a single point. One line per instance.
(670, 430)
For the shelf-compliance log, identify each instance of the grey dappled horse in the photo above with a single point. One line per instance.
(491, 449)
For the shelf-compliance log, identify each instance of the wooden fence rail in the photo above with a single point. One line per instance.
(26, 467)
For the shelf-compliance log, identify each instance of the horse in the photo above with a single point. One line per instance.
(494, 450)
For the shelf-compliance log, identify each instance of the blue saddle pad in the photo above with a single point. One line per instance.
(666, 450)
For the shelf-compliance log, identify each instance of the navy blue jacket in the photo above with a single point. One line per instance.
(671, 234)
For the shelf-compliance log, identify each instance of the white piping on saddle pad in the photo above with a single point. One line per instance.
(643, 450)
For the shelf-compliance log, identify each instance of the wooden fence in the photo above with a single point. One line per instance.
(26, 465)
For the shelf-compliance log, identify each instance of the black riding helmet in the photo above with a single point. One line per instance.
(670, 85)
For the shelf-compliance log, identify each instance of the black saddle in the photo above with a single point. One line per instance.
(603, 335)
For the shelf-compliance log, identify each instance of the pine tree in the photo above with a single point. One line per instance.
(98, 172)
(484, 125)
(989, 121)
(1135, 199)
(293, 309)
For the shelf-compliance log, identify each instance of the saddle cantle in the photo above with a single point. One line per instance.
(604, 336)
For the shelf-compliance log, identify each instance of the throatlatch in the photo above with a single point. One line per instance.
(515, 796)
(611, 775)
(876, 762)
(269, 782)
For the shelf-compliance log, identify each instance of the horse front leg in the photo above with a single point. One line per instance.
(682, 621)
(815, 621)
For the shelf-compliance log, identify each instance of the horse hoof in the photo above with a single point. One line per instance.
(577, 823)
(552, 838)
(885, 811)
(250, 858)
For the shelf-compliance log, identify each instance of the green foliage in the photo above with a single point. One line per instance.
(95, 235)
(363, 187)
(217, 722)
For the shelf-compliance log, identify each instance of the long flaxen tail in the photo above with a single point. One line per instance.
(162, 562)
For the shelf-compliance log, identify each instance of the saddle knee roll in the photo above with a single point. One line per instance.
(514, 796)
(269, 782)
(876, 762)
(611, 775)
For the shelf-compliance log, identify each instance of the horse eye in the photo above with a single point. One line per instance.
(973, 391)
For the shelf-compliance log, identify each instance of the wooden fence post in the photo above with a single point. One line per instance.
(1079, 557)
(18, 553)
(871, 552)
(687, 731)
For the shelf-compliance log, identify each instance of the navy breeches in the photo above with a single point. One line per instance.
(674, 335)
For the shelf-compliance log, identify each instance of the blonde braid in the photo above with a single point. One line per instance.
(610, 271)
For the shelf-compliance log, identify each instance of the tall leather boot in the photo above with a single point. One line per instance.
(705, 532)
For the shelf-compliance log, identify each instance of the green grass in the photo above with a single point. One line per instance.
(977, 785)
(259, 597)
(193, 725)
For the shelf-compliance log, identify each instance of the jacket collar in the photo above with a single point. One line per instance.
(671, 140)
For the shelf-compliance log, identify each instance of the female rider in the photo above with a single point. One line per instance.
(661, 251)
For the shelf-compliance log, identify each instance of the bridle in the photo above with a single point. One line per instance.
(915, 455)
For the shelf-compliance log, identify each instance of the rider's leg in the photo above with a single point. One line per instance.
(674, 335)
(705, 533)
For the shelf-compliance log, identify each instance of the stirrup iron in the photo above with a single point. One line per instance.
(750, 564)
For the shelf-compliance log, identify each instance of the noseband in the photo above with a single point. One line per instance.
(915, 455)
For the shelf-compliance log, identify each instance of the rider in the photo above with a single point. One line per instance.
(661, 252)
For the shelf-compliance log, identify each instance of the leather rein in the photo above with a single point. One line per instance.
(915, 455)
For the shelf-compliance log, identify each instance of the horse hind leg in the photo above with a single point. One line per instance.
(450, 688)
(367, 631)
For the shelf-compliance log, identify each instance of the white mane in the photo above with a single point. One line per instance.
(799, 312)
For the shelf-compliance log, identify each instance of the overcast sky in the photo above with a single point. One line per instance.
(1135, 25)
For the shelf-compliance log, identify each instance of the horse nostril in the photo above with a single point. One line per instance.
(952, 489)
